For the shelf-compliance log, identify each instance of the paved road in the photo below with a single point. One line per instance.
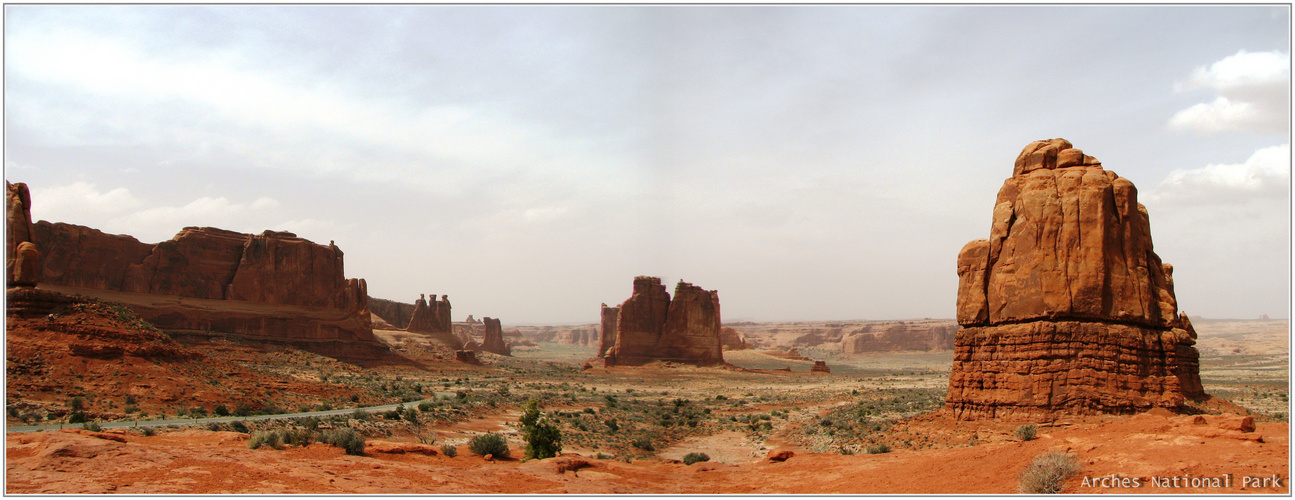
(190, 421)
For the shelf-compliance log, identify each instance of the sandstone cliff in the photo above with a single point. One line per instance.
(431, 317)
(395, 313)
(731, 339)
(22, 258)
(1066, 306)
(610, 322)
(651, 326)
(272, 287)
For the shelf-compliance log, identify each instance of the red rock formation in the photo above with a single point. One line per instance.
(18, 222)
(820, 367)
(610, 322)
(431, 317)
(466, 356)
(494, 338)
(79, 256)
(731, 339)
(395, 313)
(901, 336)
(272, 287)
(651, 326)
(1066, 306)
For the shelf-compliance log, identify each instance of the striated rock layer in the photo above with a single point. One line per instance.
(1066, 307)
(650, 326)
(901, 336)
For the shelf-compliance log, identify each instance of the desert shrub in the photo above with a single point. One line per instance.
(489, 444)
(221, 410)
(145, 431)
(878, 449)
(131, 409)
(1047, 473)
(612, 425)
(695, 457)
(77, 404)
(273, 439)
(411, 415)
(643, 443)
(214, 427)
(91, 426)
(359, 414)
(243, 410)
(76, 417)
(543, 439)
(345, 438)
(238, 426)
(1027, 432)
(425, 406)
(450, 450)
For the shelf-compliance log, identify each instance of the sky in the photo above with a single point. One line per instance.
(808, 162)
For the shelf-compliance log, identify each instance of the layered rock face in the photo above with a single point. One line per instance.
(273, 287)
(651, 326)
(901, 336)
(494, 338)
(1066, 307)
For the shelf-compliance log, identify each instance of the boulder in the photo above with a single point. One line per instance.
(1066, 308)
(780, 455)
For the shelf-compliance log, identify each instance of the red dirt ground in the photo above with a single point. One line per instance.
(202, 462)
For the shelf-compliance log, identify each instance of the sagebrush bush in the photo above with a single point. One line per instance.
(1048, 473)
(345, 438)
(644, 444)
(1027, 432)
(695, 457)
(273, 439)
(450, 450)
(91, 426)
(878, 449)
(489, 444)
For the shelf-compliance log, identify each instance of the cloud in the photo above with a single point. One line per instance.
(1265, 175)
(79, 201)
(1253, 95)
(158, 223)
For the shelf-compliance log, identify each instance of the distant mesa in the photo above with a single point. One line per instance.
(272, 287)
(926, 335)
(820, 367)
(650, 326)
(1066, 308)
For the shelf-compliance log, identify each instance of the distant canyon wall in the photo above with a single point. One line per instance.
(901, 336)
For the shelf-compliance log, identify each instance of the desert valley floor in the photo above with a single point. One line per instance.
(874, 424)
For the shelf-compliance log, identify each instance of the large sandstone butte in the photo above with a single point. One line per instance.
(1066, 308)
(650, 326)
(431, 317)
(272, 287)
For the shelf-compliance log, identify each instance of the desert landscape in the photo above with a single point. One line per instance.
(155, 384)
(647, 249)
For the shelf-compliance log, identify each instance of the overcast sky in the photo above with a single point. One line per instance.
(808, 162)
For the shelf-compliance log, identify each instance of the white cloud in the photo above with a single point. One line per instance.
(79, 201)
(1253, 95)
(1266, 174)
(159, 223)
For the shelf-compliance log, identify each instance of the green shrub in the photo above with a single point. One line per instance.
(76, 417)
(644, 444)
(543, 439)
(695, 457)
(1027, 432)
(345, 438)
(489, 444)
(145, 431)
(91, 426)
(612, 425)
(425, 406)
(238, 426)
(359, 414)
(878, 449)
(1048, 473)
(77, 404)
(450, 450)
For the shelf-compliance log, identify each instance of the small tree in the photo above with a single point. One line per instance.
(543, 439)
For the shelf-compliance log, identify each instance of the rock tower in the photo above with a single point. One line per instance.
(650, 326)
(1066, 308)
